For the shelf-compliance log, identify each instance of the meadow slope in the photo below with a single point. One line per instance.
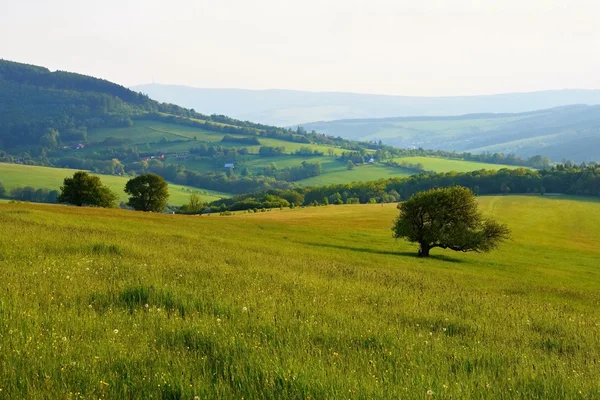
(307, 303)
(16, 175)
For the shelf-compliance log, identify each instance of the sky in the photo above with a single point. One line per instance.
(418, 48)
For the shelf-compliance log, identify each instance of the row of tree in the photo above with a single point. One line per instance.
(564, 179)
(147, 192)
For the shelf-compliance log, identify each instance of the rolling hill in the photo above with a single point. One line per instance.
(15, 175)
(316, 303)
(571, 132)
(290, 107)
(68, 120)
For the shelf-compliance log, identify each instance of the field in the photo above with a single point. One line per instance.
(446, 165)
(165, 138)
(307, 303)
(368, 172)
(13, 175)
(179, 138)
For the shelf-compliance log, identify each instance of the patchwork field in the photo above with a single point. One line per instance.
(170, 139)
(181, 138)
(13, 175)
(306, 303)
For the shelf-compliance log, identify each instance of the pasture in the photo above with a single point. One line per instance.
(13, 175)
(438, 164)
(179, 138)
(317, 303)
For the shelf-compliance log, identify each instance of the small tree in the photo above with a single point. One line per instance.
(2, 190)
(195, 204)
(447, 218)
(148, 192)
(349, 165)
(85, 189)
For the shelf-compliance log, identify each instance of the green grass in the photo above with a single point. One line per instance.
(306, 303)
(445, 165)
(13, 175)
(367, 172)
(146, 132)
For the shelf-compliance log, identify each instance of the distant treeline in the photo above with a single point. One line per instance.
(29, 193)
(563, 179)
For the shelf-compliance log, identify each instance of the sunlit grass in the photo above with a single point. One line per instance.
(16, 175)
(307, 303)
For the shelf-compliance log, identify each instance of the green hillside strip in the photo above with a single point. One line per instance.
(15, 175)
(152, 132)
(319, 301)
(446, 165)
(341, 175)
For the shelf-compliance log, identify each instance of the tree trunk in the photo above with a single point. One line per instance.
(424, 250)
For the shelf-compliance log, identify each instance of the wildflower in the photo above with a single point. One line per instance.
(218, 320)
(146, 306)
(429, 392)
(89, 306)
(116, 331)
(245, 308)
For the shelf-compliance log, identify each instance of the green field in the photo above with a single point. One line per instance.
(168, 138)
(151, 132)
(446, 165)
(307, 303)
(13, 175)
(338, 173)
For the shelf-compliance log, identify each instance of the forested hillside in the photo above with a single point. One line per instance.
(40, 108)
(69, 120)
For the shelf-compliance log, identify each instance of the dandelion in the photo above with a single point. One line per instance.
(218, 320)
(429, 392)
(89, 306)
(116, 331)
(146, 306)
(245, 308)
(64, 338)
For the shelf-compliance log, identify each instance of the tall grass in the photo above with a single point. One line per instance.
(306, 303)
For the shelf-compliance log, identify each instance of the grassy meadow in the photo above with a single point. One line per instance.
(307, 303)
(166, 138)
(438, 164)
(13, 175)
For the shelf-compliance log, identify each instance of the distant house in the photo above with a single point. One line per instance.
(371, 160)
(229, 165)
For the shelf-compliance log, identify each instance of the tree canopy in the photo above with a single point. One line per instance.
(447, 218)
(148, 192)
(85, 189)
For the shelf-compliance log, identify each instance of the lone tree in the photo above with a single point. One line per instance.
(85, 189)
(147, 192)
(447, 218)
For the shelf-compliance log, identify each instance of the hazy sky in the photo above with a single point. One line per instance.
(418, 47)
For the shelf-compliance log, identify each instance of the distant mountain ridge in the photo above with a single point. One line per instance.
(291, 107)
(570, 132)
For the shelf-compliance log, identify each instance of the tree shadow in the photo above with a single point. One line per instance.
(439, 257)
